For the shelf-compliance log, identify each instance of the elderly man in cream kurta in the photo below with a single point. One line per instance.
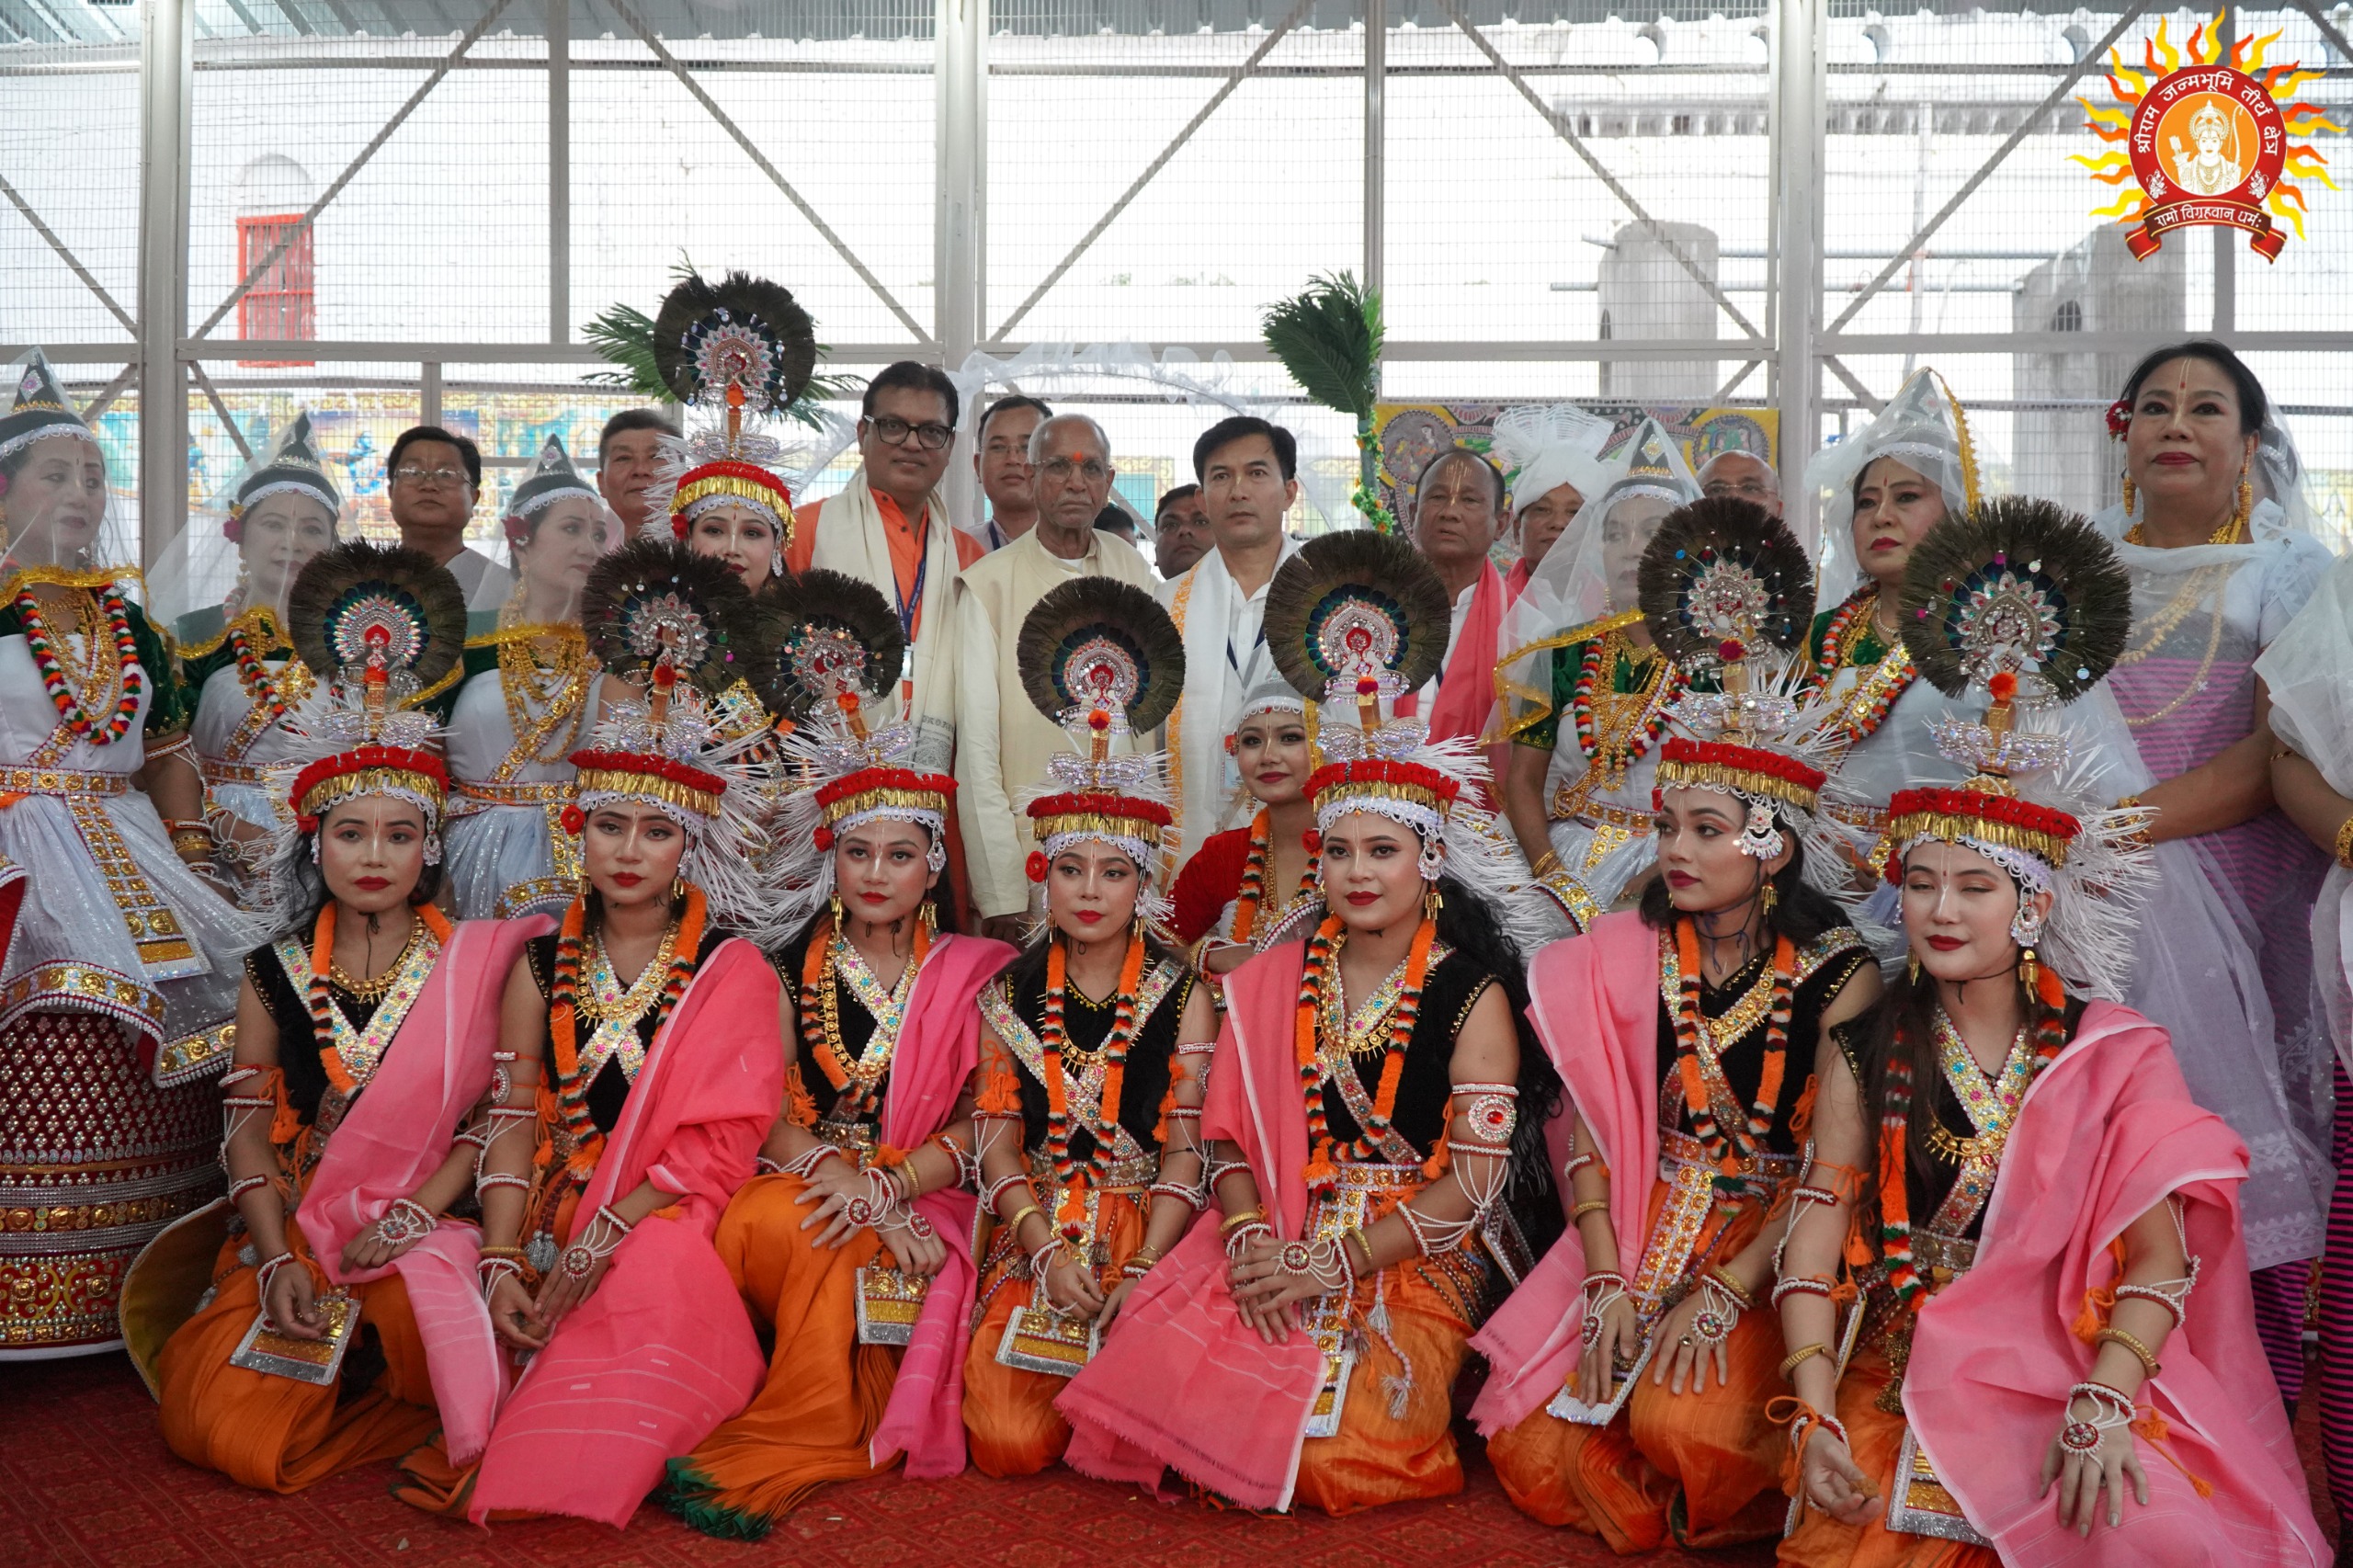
(1002, 741)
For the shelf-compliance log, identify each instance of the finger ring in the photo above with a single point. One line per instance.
(1685, 1342)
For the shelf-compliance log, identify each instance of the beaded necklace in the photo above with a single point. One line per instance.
(1739, 1153)
(350, 1056)
(262, 689)
(1253, 878)
(128, 671)
(1616, 755)
(830, 955)
(1072, 1181)
(1866, 708)
(1322, 1172)
(684, 940)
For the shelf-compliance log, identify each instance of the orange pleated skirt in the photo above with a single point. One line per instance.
(1821, 1541)
(274, 1433)
(1396, 1439)
(1010, 1424)
(1703, 1469)
(815, 1418)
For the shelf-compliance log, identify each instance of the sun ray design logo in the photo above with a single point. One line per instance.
(2207, 141)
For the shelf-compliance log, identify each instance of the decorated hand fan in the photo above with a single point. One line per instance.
(2023, 599)
(387, 620)
(653, 606)
(1100, 655)
(1357, 617)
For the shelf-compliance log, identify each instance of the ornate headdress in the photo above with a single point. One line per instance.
(1925, 429)
(293, 466)
(1726, 591)
(682, 630)
(552, 479)
(1356, 620)
(383, 628)
(1101, 659)
(743, 350)
(839, 647)
(1543, 445)
(39, 407)
(2029, 603)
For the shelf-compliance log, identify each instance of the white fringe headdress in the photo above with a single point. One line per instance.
(2029, 603)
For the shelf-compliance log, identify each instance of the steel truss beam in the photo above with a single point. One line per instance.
(67, 256)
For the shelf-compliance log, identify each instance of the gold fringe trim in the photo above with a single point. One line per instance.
(648, 786)
(1715, 775)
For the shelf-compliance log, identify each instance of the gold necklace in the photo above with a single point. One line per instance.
(1990, 1101)
(370, 992)
(605, 999)
(553, 689)
(1363, 1030)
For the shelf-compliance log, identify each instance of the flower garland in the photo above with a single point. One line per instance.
(1254, 875)
(319, 993)
(1630, 749)
(817, 981)
(571, 1098)
(1731, 1155)
(254, 677)
(53, 671)
(1054, 1036)
(1858, 721)
(1322, 1172)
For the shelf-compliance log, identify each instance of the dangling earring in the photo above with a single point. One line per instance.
(2130, 495)
(1912, 969)
(776, 563)
(2029, 970)
(834, 910)
(927, 922)
(2245, 500)
(1767, 899)
(1432, 901)
(678, 890)
(1136, 927)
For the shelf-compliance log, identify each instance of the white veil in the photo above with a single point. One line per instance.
(1922, 427)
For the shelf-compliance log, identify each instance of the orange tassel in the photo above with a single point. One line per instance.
(2099, 1300)
(2153, 1426)
(800, 1104)
(1000, 1092)
(1802, 1117)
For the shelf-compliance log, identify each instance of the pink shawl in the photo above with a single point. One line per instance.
(398, 1132)
(1466, 693)
(2105, 1132)
(939, 1048)
(663, 1352)
(1595, 1008)
(1182, 1380)
(1515, 580)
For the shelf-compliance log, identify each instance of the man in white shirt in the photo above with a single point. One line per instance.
(1001, 741)
(1248, 471)
(436, 478)
(1458, 512)
(1000, 461)
(1744, 476)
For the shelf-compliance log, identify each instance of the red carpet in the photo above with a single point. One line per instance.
(84, 1479)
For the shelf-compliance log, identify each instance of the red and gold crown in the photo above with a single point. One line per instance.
(401, 771)
(1979, 815)
(726, 480)
(1746, 771)
(677, 787)
(1397, 788)
(883, 792)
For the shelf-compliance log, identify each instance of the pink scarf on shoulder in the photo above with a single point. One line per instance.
(1466, 691)
(397, 1134)
(652, 1363)
(1182, 1381)
(2106, 1131)
(939, 1049)
(1594, 1005)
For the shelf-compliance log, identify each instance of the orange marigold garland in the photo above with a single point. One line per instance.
(572, 1094)
(1253, 895)
(1321, 1172)
(1737, 1153)
(817, 972)
(317, 993)
(1071, 1181)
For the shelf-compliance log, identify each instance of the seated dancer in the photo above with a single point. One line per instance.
(1248, 888)
(1097, 1040)
(2007, 1166)
(639, 1042)
(1585, 691)
(236, 660)
(322, 1345)
(744, 346)
(1373, 1099)
(853, 1248)
(530, 693)
(1632, 1366)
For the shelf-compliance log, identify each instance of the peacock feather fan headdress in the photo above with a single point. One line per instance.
(835, 638)
(653, 603)
(386, 622)
(1723, 580)
(1102, 660)
(742, 341)
(2027, 602)
(1357, 617)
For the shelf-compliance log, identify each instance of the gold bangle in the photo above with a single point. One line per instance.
(1146, 1255)
(1235, 1221)
(2141, 1353)
(1590, 1206)
(2345, 843)
(1014, 1225)
(910, 1183)
(1732, 1288)
(1546, 865)
(1800, 1356)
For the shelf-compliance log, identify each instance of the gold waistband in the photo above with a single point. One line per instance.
(1121, 1175)
(57, 781)
(513, 794)
(850, 1137)
(217, 772)
(1371, 1176)
(1682, 1149)
(1600, 813)
(1939, 1257)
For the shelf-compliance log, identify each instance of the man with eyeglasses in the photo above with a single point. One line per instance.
(436, 477)
(1744, 476)
(1000, 737)
(1002, 462)
(890, 528)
